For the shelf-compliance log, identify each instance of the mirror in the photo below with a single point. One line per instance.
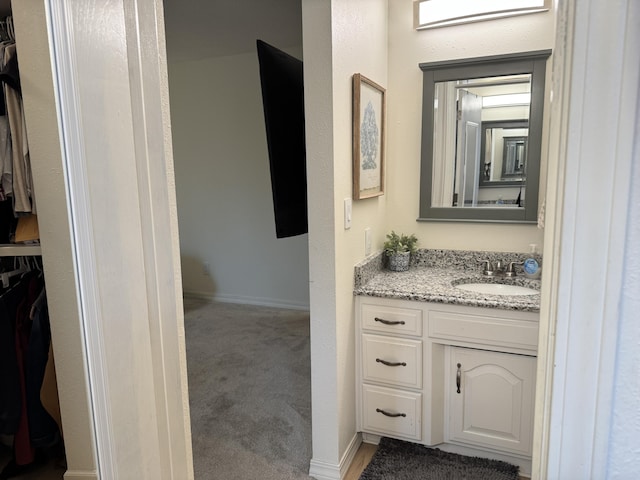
(481, 138)
(503, 153)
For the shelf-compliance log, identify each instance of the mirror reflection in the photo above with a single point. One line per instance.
(503, 153)
(487, 121)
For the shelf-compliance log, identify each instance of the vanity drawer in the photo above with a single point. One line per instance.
(503, 331)
(391, 319)
(397, 361)
(391, 412)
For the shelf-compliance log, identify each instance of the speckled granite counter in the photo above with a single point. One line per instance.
(434, 274)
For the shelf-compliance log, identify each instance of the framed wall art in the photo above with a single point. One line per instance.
(368, 137)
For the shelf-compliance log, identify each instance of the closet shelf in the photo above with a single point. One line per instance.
(18, 250)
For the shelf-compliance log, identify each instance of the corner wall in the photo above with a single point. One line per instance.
(341, 37)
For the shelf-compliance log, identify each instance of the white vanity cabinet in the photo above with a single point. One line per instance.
(411, 357)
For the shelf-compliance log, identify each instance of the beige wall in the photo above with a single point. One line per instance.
(225, 208)
(408, 48)
(341, 38)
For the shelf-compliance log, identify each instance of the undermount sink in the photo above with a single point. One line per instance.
(497, 289)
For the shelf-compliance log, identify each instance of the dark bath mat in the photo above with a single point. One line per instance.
(398, 460)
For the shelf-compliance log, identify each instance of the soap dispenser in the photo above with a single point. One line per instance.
(531, 266)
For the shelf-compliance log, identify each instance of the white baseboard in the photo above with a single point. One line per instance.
(329, 471)
(81, 475)
(246, 300)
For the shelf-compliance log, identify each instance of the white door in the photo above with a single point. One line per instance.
(468, 148)
(490, 399)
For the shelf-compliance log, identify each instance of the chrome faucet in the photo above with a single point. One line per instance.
(498, 269)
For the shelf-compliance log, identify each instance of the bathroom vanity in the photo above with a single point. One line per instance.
(443, 366)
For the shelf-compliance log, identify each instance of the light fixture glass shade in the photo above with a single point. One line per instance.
(440, 13)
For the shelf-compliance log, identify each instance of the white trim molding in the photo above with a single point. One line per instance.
(326, 471)
(599, 114)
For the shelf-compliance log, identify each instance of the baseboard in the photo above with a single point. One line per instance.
(81, 475)
(329, 471)
(246, 300)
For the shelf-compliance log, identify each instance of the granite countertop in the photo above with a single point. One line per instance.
(434, 281)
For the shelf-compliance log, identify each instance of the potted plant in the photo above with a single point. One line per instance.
(398, 248)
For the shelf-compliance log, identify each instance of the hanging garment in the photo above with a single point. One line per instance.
(22, 181)
(10, 398)
(43, 429)
(24, 317)
(6, 159)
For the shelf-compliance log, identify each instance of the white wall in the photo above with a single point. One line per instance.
(408, 48)
(225, 208)
(341, 37)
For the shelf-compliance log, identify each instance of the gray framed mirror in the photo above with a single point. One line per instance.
(481, 138)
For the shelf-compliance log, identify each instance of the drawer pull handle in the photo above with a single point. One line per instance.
(458, 377)
(389, 322)
(393, 415)
(391, 364)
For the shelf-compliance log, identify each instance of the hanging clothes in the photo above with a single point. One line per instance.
(23, 197)
(25, 338)
(16, 180)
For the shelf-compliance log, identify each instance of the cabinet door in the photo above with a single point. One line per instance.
(490, 399)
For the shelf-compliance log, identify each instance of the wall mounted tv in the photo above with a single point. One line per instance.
(281, 81)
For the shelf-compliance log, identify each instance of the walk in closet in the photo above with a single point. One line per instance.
(30, 427)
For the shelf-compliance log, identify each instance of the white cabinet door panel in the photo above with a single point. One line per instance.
(493, 404)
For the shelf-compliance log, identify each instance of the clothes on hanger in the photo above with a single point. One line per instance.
(15, 165)
(25, 338)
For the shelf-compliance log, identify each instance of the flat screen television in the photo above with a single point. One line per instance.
(281, 80)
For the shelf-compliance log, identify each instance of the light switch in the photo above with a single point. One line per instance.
(347, 213)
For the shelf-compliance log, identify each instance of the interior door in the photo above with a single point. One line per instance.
(468, 148)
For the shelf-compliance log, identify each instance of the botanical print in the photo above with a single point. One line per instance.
(369, 138)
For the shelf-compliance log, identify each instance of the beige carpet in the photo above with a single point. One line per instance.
(249, 390)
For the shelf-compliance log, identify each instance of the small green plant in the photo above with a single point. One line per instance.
(399, 243)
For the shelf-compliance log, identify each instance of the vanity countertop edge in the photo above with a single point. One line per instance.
(434, 274)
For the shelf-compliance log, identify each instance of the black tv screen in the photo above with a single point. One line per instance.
(281, 80)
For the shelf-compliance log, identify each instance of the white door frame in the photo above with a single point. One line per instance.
(113, 111)
(594, 120)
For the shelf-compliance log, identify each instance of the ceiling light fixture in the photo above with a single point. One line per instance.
(440, 13)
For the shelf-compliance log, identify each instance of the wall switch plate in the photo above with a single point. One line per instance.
(367, 242)
(347, 213)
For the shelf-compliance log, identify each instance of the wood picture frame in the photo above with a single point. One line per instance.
(369, 111)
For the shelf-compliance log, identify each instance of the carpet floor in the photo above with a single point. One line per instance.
(398, 460)
(249, 390)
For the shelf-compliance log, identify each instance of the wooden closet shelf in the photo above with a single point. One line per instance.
(19, 250)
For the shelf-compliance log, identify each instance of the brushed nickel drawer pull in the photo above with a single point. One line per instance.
(388, 322)
(393, 415)
(458, 376)
(391, 364)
